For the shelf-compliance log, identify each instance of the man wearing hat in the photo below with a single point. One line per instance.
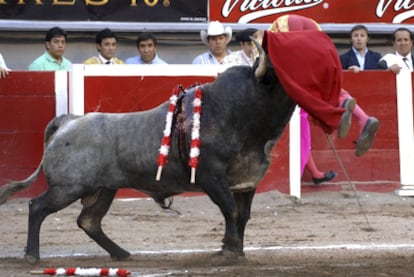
(245, 55)
(216, 38)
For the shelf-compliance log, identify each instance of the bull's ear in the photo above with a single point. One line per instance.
(261, 68)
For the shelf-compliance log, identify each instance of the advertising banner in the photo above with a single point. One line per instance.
(229, 11)
(105, 10)
(323, 11)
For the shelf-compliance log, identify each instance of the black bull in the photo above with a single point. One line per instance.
(244, 112)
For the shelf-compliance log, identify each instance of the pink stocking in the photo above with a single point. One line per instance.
(311, 166)
(358, 113)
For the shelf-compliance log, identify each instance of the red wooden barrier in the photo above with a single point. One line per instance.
(27, 103)
(132, 93)
(375, 93)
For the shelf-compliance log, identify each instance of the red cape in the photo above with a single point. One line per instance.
(308, 67)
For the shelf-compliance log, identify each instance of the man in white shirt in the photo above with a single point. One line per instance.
(245, 55)
(402, 59)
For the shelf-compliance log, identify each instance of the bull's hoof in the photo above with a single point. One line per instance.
(31, 259)
(233, 255)
(121, 256)
(227, 257)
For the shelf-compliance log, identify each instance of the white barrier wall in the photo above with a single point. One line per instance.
(405, 132)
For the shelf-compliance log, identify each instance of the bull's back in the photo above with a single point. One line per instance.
(98, 148)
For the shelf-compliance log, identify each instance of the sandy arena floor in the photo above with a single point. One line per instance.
(323, 234)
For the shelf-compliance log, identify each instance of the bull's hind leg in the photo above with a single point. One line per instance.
(39, 209)
(94, 209)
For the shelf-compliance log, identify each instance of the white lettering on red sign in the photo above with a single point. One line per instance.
(402, 7)
(255, 9)
(267, 7)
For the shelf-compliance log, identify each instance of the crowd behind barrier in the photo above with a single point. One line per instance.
(21, 48)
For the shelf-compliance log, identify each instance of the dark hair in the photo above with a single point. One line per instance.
(402, 29)
(146, 36)
(55, 32)
(358, 27)
(105, 33)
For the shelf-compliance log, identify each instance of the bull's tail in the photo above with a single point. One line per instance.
(11, 188)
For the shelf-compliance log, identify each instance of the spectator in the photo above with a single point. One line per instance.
(245, 55)
(4, 71)
(147, 49)
(402, 59)
(106, 42)
(359, 57)
(53, 59)
(216, 38)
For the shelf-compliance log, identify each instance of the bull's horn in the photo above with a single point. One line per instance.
(261, 68)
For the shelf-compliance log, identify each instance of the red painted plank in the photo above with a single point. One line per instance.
(129, 94)
(28, 83)
(28, 112)
(20, 149)
(27, 104)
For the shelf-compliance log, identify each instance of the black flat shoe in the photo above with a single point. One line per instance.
(328, 176)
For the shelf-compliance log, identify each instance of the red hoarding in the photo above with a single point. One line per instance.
(323, 11)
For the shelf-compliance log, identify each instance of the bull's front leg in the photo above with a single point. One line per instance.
(232, 242)
(244, 203)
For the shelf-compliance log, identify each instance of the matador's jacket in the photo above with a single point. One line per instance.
(308, 67)
(97, 60)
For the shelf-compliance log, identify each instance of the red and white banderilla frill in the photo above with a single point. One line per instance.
(165, 142)
(77, 271)
(195, 133)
